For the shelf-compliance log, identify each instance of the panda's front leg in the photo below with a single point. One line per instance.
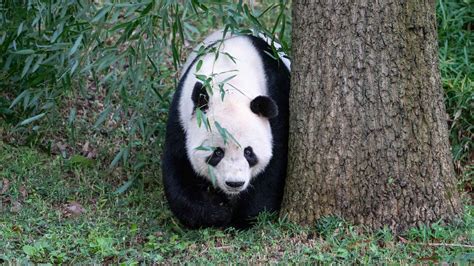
(216, 209)
(200, 208)
(191, 200)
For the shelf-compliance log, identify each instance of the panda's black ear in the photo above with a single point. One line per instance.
(264, 106)
(200, 97)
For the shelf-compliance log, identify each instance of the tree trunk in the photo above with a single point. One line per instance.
(368, 132)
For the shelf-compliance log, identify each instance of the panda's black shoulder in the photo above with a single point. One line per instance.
(259, 43)
(266, 52)
(276, 72)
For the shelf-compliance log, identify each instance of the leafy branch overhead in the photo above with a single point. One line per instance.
(125, 55)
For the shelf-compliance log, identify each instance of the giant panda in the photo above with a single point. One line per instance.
(242, 171)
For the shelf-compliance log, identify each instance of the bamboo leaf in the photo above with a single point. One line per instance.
(205, 148)
(24, 52)
(102, 116)
(199, 116)
(72, 116)
(20, 29)
(201, 77)
(101, 13)
(233, 139)
(32, 119)
(198, 65)
(76, 45)
(18, 98)
(37, 64)
(125, 186)
(221, 131)
(227, 79)
(212, 175)
(117, 158)
(27, 66)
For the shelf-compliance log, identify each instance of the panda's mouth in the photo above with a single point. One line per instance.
(234, 185)
(233, 188)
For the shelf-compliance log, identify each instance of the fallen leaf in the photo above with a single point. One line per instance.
(74, 209)
(159, 233)
(403, 240)
(23, 193)
(85, 147)
(16, 207)
(92, 154)
(432, 258)
(5, 186)
(17, 229)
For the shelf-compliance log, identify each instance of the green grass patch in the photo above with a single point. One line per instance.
(53, 211)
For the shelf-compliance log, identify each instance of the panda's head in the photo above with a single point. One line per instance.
(230, 163)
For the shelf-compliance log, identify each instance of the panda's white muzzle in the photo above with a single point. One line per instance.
(233, 185)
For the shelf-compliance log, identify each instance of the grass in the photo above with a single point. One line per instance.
(56, 212)
(80, 146)
(455, 32)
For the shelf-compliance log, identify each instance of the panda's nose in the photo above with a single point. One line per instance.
(234, 184)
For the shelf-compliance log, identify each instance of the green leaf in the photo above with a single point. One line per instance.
(20, 29)
(125, 186)
(139, 166)
(153, 64)
(225, 134)
(24, 52)
(222, 131)
(76, 45)
(207, 124)
(101, 13)
(80, 160)
(117, 158)
(74, 66)
(32, 119)
(29, 60)
(72, 116)
(199, 116)
(18, 98)
(221, 88)
(102, 116)
(212, 175)
(37, 63)
(201, 77)
(228, 79)
(233, 139)
(148, 8)
(205, 148)
(198, 65)
(29, 250)
(230, 57)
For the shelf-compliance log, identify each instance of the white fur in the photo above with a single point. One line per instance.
(233, 113)
(219, 36)
(212, 38)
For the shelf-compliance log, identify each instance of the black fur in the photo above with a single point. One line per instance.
(193, 199)
(200, 97)
(264, 106)
(215, 157)
(250, 156)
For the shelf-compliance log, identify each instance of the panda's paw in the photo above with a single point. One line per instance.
(220, 217)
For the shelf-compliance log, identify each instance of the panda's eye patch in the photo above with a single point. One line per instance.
(215, 157)
(250, 156)
(218, 152)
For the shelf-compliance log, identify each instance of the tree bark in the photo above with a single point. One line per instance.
(368, 132)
